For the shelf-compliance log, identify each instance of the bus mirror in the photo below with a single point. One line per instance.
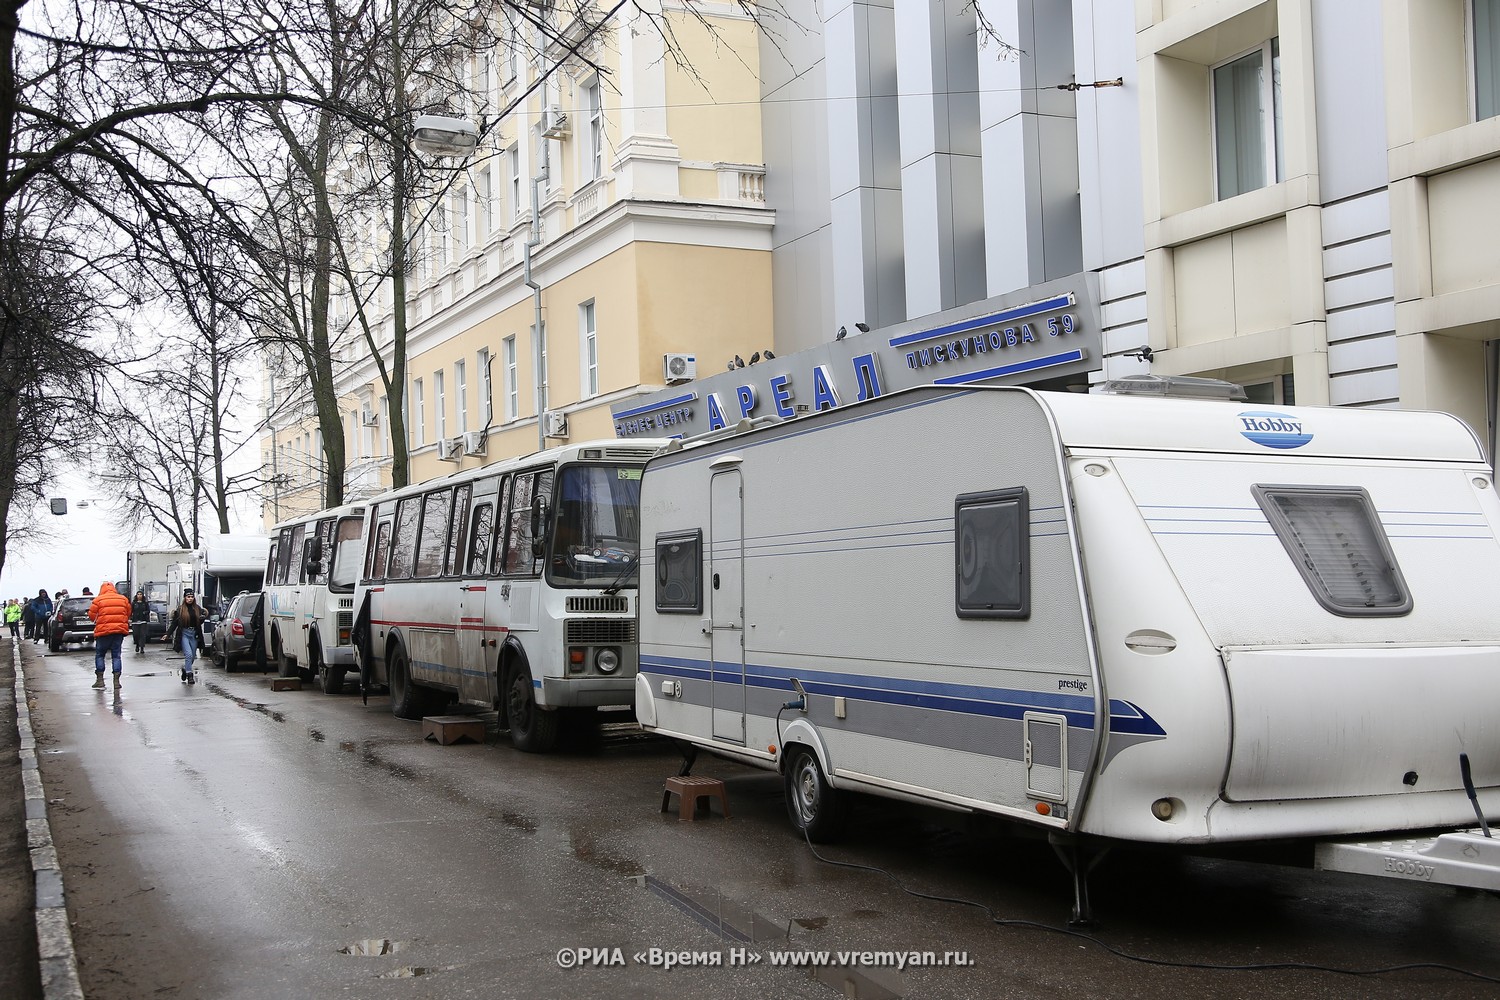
(314, 562)
(538, 516)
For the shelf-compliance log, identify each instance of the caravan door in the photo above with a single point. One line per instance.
(726, 569)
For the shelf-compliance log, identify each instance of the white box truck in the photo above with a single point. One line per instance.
(146, 570)
(1106, 616)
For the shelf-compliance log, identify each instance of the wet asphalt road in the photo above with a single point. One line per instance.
(225, 841)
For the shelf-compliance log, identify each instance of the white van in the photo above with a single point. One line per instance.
(1146, 619)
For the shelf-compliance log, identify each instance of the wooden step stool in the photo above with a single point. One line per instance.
(690, 792)
(286, 684)
(448, 729)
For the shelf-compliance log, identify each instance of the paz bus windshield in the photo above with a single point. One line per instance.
(596, 528)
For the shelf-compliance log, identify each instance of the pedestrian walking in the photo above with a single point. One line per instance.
(13, 617)
(28, 620)
(140, 618)
(186, 632)
(41, 608)
(110, 614)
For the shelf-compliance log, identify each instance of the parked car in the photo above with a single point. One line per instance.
(70, 622)
(236, 633)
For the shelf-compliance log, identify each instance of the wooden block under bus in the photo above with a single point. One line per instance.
(448, 729)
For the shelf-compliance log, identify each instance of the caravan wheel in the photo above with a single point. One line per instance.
(815, 807)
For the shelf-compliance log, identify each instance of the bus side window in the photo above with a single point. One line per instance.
(481, 525)
(432, 538)
(373, 559)
(404, 538)
(296, 555)
(379, 550)
(284, 555)
(518, 528)
(459, 531)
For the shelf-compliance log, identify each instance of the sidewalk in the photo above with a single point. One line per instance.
(31, 888)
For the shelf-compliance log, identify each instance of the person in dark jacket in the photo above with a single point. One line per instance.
(186, 632)
(41, 612)
(140, 618)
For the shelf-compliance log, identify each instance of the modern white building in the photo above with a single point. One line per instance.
(1297, 195)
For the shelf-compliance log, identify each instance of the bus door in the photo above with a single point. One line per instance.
(726, 528)
(476, 644)
(527, 495)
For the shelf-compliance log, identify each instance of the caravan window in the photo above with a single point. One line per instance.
(992, 555)
(679, 585)
(1335, 540)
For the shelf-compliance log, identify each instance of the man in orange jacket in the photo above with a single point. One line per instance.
(110, 614)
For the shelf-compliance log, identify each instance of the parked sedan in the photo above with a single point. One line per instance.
(236, 635)
(70, 622)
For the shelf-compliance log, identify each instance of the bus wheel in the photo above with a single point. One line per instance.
(405, 699)
(330, 678)
(815, 807)
(532, 729)
(284, 667)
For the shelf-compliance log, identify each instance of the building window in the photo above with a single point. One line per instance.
(512, 50)
(439, 406)
(588, 350)
(593, 98)
(486, 206)
(1247, 121)
(1486, 27)
(419, 406)
(385, 441)
(512, 391)
(486, 387)
(513, 172)
(461, 240)
(461, 395)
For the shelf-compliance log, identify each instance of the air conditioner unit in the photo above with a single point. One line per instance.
(367, 417)
(450, 449)
(554, 123)
(555, 424)
(679, 367)
(474, 442)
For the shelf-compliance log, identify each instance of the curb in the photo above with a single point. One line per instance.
(54, 938)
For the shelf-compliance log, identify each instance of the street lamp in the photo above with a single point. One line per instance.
(441, 135)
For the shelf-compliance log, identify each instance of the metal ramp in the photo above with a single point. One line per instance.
(1463, 857)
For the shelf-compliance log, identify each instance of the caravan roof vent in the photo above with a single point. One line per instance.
(1175, 387)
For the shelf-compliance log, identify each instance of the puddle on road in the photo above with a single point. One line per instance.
(811, 923)
(405, 972)
(373, 946)
(317, 735)
(347, 746)
(245, 703)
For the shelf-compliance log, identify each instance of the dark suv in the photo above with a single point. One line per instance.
(236, 635)
(70, 623)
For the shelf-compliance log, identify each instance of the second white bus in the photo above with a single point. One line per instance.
(510, 586)
(309, 594)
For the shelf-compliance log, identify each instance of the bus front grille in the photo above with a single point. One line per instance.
(600, 632)
(603, 605)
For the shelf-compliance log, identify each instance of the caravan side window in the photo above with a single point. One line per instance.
(1335, 540)
(679, 583)
(992, 554)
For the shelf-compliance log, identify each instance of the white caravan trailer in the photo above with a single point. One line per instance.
(1153, 620)
(309, 594)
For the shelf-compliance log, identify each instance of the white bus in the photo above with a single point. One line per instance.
(309, 594)
(509, 586)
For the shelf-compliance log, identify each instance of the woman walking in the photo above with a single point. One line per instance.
(186, 631)
(140, 618)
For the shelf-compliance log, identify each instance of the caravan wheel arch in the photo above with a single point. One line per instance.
(800, 732)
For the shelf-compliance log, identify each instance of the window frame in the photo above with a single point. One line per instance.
(1271, 132)
(694, 538)
(1286, 533)
(1020, 496)
(588, 349)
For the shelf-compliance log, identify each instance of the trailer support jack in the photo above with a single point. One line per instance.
(1080, 858)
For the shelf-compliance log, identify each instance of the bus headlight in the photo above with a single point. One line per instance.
(607, 661)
